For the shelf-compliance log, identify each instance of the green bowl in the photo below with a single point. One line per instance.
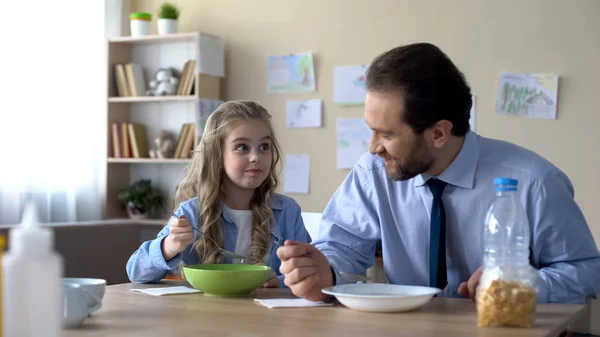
(226, 279)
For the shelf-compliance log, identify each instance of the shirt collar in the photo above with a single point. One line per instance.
(275, 206)
(461, 171)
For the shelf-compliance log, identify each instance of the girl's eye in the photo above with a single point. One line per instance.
(241, 147)
(265, 147)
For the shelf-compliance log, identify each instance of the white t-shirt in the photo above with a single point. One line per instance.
(243, 221)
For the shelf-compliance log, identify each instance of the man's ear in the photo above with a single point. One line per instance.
(441, 133)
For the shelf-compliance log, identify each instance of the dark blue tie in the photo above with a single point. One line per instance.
(437, 238)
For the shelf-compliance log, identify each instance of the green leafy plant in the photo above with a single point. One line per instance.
(141, 197)
(168, 11)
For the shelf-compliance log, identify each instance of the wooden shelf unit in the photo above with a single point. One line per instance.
(156, 39)
(153, 52)
(150, 99)
(112, 160)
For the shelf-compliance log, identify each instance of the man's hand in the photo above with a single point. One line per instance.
(306, 270)
(272, 281)
(469, 289)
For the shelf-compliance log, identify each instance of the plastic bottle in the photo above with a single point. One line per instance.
(32, 283)
(506, 292)
(506, 238)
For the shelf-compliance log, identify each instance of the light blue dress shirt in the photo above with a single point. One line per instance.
(147, 264)
(368, 207)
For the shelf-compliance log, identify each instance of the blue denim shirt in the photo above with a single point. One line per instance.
(147, 264)
(368, 207)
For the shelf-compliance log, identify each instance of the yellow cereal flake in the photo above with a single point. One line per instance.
(506, 304)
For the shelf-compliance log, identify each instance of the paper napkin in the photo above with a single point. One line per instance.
(167, 291)
(290, 303)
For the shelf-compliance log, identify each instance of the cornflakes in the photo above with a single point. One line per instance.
(506, 303)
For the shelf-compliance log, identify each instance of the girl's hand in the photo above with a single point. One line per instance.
(180, 236)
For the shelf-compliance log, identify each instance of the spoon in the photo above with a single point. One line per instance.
(225, 252)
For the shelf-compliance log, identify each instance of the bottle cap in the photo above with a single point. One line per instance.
(506, 181)
(30, 236)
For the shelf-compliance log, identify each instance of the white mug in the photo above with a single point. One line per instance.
(75, 308)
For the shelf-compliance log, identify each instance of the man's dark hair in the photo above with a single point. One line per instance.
(433, 87)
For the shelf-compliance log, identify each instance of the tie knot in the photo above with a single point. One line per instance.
(436, 187)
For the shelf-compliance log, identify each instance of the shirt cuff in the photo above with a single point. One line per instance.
(157, 258)
(337, 265)
(541, 295)
(333, 276)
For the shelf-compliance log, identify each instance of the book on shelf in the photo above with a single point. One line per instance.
(126, 144)
(116, 136)
(121, 79)
(185, 142)
(187, 78)
(138, 140)
(135, 79)
(130, 140)
(130, 80)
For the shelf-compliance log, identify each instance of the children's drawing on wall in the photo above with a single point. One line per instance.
(349, 85)
(290, 73)
(304, 114)
(353, 137)
(527, 95)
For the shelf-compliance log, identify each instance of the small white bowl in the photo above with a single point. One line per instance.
(94, 290)
(381, 297)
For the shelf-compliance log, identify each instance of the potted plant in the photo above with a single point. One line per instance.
(167, 18)
(140, 23)
(141, 199)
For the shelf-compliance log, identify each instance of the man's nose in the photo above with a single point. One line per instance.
(374, 146)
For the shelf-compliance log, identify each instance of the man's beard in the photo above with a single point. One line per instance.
(419, 161)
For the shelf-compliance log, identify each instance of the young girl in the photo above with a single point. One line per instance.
(228, 194)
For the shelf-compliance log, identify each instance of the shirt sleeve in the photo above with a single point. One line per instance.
(349, 228)
(563, 248)
(297, 231)
(147, 264)
(300, 232)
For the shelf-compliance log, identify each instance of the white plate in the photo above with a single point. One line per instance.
(381, 297)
